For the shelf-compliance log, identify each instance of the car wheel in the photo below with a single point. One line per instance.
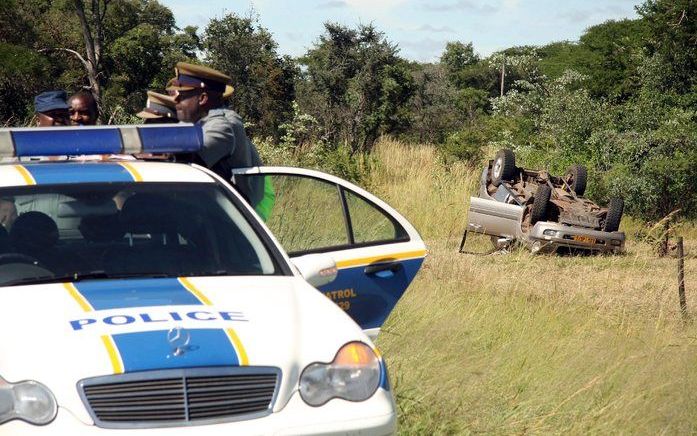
(614, 214)
(540, 204)
(576, 177)
(504, 166)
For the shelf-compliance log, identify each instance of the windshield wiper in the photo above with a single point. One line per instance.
(78, 276)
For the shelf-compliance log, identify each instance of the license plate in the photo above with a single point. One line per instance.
(584, 239)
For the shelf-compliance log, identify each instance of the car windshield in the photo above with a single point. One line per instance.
(109, 230)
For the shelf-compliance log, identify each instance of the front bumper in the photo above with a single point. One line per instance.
(376, 416)
(548, 237)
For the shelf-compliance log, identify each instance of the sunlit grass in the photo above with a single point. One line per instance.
(517, 343)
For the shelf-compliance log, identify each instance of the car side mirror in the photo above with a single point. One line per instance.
(317, 269)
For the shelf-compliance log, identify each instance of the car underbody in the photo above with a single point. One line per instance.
(546, 213)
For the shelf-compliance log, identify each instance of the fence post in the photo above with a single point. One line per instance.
(681, 278)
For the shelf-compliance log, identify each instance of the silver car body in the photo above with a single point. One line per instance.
(494, 216)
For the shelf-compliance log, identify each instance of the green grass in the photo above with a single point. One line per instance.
(517, 343)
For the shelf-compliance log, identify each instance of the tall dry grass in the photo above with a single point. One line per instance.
(517, 343)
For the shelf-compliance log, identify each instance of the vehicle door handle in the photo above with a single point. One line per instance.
(377, 267)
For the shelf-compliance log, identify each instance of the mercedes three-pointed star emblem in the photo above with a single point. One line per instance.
(178, 338)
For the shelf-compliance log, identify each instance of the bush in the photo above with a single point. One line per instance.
(644, 150)
(464, 145)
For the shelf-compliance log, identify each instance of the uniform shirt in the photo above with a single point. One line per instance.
(226, 146)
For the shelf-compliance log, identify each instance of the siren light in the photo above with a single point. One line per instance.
(83, 140)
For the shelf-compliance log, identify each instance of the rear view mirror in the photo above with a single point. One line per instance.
(317, 269)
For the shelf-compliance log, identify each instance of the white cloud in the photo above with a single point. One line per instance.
(382, 4)
(510, 4)
(374, 8)
(433, 29)
(424, 50)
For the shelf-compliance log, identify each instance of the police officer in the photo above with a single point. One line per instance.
(200, 94)
(159, 109)
(52, 109)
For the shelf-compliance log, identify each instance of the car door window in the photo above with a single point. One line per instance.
(369, 224)
(307, 214)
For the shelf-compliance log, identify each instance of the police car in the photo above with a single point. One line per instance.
(149, 295)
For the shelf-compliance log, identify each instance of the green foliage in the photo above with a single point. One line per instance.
(140, 45)
(355, 85)
(614, 51)
(466, 69)
(672, 29)
(138, 56)
(301, 129)
(264, 80)
(23, 71)
(430, 109)
(465, 145)
(22, 75)
(621, 100)
(644, 150)
(607, 54)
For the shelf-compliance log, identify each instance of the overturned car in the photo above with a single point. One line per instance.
(546, 213)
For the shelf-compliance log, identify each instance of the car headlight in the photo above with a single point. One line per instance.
(28, 400)
(353, 375)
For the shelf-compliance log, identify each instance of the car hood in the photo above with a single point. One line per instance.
(59, 334)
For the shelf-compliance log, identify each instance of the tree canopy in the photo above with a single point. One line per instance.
(621, 100)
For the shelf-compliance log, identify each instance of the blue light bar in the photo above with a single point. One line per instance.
(80, 140)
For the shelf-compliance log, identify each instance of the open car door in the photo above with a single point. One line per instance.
(494, 218)
(377, 251)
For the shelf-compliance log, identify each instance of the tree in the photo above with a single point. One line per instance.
(431, 107)
(672, 28)
(263, 80)
(356, 86)
(457, 56)
(92, 25)
(23, 72)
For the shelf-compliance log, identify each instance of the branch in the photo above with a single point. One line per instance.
(103, 15)
(86, 32)
(98, 33)
(78, 55)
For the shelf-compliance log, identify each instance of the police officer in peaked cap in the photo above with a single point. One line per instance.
(159, 109)
(200, 93)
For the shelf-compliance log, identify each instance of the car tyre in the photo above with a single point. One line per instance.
(503, 167)
(540, 204)
(614, 214)
(577, 175)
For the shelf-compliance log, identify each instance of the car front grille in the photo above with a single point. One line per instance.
(180, 397)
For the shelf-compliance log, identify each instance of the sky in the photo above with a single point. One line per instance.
(421, 28)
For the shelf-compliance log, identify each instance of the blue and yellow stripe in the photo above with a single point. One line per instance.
(61, 173)
(149, 350)
(376, 297)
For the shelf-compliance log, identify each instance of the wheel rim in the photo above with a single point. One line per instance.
(497, 168)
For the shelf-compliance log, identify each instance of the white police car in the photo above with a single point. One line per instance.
(149, 295)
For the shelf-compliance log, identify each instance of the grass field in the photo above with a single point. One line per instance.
(516, 343)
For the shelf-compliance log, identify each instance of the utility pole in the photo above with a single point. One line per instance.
(503, 72)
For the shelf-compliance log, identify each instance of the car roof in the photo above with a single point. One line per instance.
(22, 173)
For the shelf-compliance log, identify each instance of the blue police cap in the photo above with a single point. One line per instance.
(50, 100)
